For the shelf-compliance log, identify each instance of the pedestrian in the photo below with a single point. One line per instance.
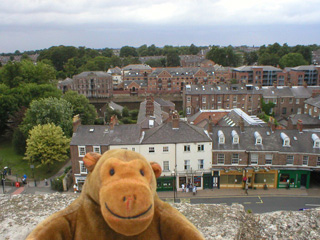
(246, 188)
(75, 188)
(187, 188)
(182, 186)
(194, 190)
(190, 187)
(46, 182)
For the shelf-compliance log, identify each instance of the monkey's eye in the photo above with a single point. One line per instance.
(142, 172)
(111, 172)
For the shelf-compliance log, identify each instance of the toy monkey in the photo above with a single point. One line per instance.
(118, 201)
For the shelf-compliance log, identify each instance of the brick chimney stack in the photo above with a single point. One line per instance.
(241, 124)
(299, 125)
(150, 106)
(275, 84)
(272, 124)
(76, 122)
(175, 119)
(305, 84)
(210, 123)
(113, 121)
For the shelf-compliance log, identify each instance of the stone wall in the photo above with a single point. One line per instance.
(19, 214)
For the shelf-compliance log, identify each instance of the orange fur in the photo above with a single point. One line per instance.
(118, 201)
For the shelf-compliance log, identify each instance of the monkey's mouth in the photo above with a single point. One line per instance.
(131, 217)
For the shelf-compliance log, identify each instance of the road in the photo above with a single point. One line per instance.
(263, 204)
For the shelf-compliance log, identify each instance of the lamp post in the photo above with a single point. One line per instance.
(32, 167)
(2, 182)
(174, 185)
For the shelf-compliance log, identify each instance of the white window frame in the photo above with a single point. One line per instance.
(204, 100)
(186, 165)
(186, 148)
(288, 161)
(188, 110)
(316, 144)
(233, 162)
(188, 98)
(297, 101)
(82, 149)
(152, 150)
(166, 166)
(258, 141)
(165, 149)
(200, 164)
(220, 156)
(286, 142)
(305, 160)
(254, 159)
(268, 157)
(318, 162)
(200, 147)
(97, 149)
(235, 139)
(82, 167)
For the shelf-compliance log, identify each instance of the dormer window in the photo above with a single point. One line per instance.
(316, 140)
(235, 137)
(258, 138)
(286, 139)
(221, 137)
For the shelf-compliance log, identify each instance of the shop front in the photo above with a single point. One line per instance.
(165, 183)
(231, 179)
(261, 178)
(195, 179)
(294, 178)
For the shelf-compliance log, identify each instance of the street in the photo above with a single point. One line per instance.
(264, 204)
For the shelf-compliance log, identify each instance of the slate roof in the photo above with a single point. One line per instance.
(306, 119)
(96, 73)
(271, 141)
(221, 89)
(143, 120)
(250, 68)
(141, 83)
(101, 135)
(313, 101)
(66, 82)
(234, 117)
(304, 68)
(115, 106)
(164, 103)
(185, 72)
(137, 67)
(116, 71)
(285, 91)
(186, 133)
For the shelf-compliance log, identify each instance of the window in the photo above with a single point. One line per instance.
(188, 99)
(133, 149)
(204, 99)
(82, 151)
(305, 160)
(315, 109)
(235, 137)
(165, 149)
(96, 149)
(151, 150)
(200, 147)
(254, 159)
(219, 99)
(220, 158)
(290, 100)
(297, 100)
(188, 110)
(299, 111)
(221, 137)
(290, 159)
(200, 164)
(258, 138)
(318, 162)
(235, 98)
(166, 166)
(186, 164)
(284, 110)
(316, 144)
(282, 100)
(235, 158)
(286, 142)
(187, 148)
(275, 101)
(268, 158)
(83, 169)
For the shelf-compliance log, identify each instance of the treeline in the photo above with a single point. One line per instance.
(273, 54)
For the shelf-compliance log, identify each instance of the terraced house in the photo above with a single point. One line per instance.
(265, 157)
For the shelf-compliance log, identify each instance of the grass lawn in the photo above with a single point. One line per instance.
(18, 166)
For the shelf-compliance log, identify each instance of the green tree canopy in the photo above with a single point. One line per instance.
(48, 110)
(224, 56)
(292, 60)
(127, 51)
(8, 105)
(173, 59)
(80, 105)
(46, 145)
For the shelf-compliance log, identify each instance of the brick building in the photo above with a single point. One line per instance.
(264, 156)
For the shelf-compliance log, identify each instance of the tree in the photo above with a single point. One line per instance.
(46, 145)
(8, 105)
(10, 74)
(156, 62)
(80, 105)
(127, 51)
(193, 49)
(173, 59)
(267, 107)
(107, 52)
(292, 60)
(250, 58)
(125, 112)
(268, 59)
(48, 110)
(223, 56)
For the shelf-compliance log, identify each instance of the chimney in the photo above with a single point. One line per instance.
(290, 84)
(305, 84)
(150, 106)
(315, 93)
(175, 119)
(272, 124)
(210, 123)
(113, 121)
(241, 124)
(275, 84)
(299, 125)
(76, 122)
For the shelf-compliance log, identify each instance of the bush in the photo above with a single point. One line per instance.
(67, 169)
(57, 184)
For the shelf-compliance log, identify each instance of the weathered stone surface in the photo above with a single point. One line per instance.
(21, 213)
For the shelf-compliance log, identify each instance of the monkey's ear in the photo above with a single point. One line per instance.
(156, 169)
(90, 160)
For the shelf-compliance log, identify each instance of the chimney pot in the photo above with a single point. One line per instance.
(299, 125)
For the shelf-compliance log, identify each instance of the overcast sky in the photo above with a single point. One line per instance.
(38, 24)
